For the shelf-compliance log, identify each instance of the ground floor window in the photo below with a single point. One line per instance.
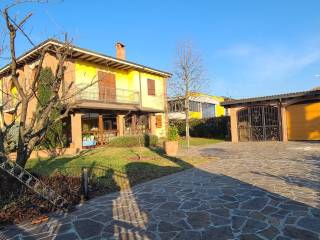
(98, 128)
(136, 124)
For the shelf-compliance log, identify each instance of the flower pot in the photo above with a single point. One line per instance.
(170, 148)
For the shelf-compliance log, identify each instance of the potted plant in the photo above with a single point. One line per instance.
(171, 144)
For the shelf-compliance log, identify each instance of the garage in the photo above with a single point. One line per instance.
(303, 121)
(282, 117)
(258, 123)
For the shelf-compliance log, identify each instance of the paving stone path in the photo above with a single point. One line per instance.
(252, 191)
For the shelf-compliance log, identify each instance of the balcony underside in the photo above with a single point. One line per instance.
(92, 104)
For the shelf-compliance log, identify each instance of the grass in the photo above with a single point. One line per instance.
(116, 168)
(198, 141)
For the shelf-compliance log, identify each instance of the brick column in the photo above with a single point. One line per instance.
(76, 131)
(234, 125)
(284, 124)
(120, 125)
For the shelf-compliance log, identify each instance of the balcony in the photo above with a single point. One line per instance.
(108, 95)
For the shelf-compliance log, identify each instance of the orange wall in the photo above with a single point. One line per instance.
(303, 121)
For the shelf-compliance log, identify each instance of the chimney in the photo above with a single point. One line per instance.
(120, 51)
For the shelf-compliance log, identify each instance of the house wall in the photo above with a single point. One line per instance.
(220, 110)
(86, 73)
(234, 124)
(26, 75)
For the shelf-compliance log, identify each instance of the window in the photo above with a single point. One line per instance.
(151, 87)
(208, 110)
(194, 106)
(158, 121)
(175, 106)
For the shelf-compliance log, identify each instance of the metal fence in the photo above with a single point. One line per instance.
(108, 95)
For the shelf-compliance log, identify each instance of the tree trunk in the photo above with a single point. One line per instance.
(187, 122)
(8, 184)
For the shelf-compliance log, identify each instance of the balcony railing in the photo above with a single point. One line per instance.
(108, 95)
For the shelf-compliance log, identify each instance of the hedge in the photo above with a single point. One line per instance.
(216, 127)
(134, 141)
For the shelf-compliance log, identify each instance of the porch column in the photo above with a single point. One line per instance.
(234, 125)
(284, 124)
(152, 118)
(120, 124)
(134, 123)
(100, 129)
(76, 131)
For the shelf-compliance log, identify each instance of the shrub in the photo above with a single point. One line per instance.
(173, 133)
(134, 141)
(11, 142)
(150, 140)
(54, 136)
(216, 127)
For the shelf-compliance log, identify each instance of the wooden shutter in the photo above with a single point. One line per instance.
(151, 87)
(107, 86)
(159, 121)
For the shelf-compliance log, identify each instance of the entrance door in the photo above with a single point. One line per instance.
(107, 87)
(259, 123)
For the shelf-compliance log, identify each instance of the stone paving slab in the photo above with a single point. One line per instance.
(253, 191)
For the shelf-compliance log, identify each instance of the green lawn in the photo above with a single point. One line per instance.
(116, 167)
(198, 141)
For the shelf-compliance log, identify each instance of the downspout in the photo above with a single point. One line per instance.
(280, 120)
(140, 93)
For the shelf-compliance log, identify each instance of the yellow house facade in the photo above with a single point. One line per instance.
(201, 106)
(114, 97)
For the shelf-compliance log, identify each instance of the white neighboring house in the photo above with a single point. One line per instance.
(200, 106)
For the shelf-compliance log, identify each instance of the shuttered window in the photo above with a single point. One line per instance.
(151, 87)
(159, 121)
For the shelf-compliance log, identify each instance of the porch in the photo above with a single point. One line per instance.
(97, 128)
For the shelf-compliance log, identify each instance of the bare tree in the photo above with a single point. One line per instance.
(32, 127)
(188, 78)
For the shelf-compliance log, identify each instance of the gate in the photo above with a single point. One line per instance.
(259, 123)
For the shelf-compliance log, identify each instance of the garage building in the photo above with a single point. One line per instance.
(283, 117)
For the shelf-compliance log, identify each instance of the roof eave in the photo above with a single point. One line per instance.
(129, 64)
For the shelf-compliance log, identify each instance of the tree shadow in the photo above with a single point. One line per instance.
(195, 203)
(47, 167)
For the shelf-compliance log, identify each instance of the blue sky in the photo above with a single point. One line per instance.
(249, 48)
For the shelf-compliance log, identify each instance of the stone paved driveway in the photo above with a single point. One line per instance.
(253, 191)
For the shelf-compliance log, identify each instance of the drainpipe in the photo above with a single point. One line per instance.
(280, 119)
(140, 93)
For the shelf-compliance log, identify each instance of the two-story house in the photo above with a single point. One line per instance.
(125, 97)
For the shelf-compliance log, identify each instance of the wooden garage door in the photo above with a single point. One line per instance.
(303, 121)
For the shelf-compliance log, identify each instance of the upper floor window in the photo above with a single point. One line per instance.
(175, 106)
(151, 87)
(208, 110)
(194, 106)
